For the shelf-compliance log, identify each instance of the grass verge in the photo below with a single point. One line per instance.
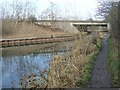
(74, 69)
(113, 62)
(88, 67)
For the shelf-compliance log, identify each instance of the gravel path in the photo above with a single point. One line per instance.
(100, 74)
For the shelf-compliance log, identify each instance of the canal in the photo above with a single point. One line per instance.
(22, 61)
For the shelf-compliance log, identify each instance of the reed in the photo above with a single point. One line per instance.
(69, 70)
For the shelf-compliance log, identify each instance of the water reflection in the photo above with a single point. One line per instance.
(15, 68)
(18, 62)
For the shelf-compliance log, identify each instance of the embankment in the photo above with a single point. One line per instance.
(74, 68)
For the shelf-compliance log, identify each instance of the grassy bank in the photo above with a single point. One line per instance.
(113, 62)
(86, 76)
(87, 69)
(11, 29)
(74, 68)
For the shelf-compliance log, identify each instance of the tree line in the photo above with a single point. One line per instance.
(110, 11)
(20, 11)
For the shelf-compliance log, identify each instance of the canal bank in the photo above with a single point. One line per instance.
(33, 41)
(21, 62)
(67, 69)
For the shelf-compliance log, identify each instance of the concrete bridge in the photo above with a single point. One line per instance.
(76, 25)
(91, 26)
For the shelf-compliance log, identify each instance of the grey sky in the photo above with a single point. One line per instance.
(84, 9)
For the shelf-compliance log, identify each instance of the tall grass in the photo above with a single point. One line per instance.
(74, 68)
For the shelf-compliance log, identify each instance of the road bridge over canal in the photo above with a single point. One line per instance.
(76, 25)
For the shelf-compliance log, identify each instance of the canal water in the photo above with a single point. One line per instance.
(21, 61)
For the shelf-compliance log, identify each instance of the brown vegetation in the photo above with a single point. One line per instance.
(12, 29)
(72, 69)
(69, 70)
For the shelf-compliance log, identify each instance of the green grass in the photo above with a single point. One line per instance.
(113, 62)
(86, 77)
(80, 74)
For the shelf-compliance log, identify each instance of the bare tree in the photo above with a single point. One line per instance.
(111, 12)
(50, 14)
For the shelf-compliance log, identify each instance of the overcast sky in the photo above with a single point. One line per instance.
(84, 9)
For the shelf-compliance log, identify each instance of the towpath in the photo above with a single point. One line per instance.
(100, 74)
